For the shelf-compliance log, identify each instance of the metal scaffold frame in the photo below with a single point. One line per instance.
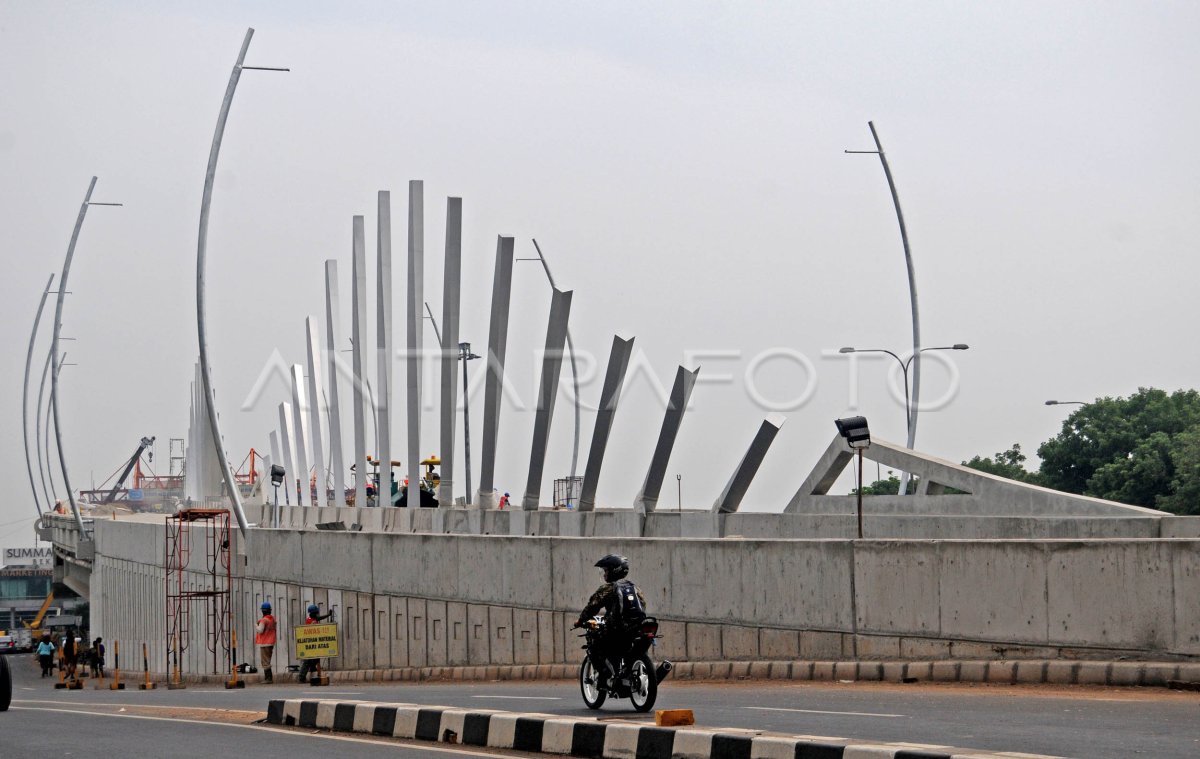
(217, 582)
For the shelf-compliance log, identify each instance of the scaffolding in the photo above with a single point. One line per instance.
(186, 532)
(567, 491)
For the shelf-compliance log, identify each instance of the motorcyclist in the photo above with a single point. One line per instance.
(623, 605)
(314, 616)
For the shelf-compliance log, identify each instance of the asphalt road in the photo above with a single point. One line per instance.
(1078, 721)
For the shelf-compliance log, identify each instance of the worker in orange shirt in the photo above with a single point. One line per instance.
(264, 638)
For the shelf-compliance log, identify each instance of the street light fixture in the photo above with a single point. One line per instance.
(910, 410)
(1066, 403)
(858, 436)
(466, 355)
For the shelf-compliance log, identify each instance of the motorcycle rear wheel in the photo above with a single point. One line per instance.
(589, 685)
(643, 684)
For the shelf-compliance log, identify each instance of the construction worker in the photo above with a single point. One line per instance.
(264, 638)
(314, 616)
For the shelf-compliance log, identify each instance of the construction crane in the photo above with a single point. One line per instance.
(133, 460)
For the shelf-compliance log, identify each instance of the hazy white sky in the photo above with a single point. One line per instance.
(682, 166)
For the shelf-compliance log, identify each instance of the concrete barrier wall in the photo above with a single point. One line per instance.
(883, 522)
(419, 599)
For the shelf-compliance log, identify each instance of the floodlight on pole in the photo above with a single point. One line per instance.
(858, 436)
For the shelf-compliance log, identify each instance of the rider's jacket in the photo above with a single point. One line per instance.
(621, 600)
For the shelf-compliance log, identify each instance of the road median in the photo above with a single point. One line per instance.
(588, 737)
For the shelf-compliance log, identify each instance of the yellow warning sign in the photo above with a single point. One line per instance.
(316, 641)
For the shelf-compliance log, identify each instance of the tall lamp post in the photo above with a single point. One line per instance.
(912, 278)
(910, 407)
(464, 356)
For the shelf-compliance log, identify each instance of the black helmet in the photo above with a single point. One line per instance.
(615, 567)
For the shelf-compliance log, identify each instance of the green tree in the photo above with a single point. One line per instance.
(1143, 450)
(890, 486)
(1010, 464)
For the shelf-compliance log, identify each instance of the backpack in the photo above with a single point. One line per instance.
(628, 607)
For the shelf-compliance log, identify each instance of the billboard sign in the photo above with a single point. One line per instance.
(28, 557)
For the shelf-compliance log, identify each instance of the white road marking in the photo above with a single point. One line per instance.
(276, 729)
(819, 711)
(524, 698)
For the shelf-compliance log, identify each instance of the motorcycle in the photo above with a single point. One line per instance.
(630, 672)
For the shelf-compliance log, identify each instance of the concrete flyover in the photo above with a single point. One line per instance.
(430, 588)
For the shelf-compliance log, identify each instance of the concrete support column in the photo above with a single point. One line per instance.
(681, 392)
(359, 335)
(494, 386)
(299, 410)
(316, 395)
(451, 284)
(556, 339)
(610, 395)
(731, 498)
(337, 461)
(383, 345)
(416, 324)
(289, 461)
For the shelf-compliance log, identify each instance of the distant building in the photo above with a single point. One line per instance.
(26, 579)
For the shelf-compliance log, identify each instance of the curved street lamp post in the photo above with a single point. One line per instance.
(210, 174)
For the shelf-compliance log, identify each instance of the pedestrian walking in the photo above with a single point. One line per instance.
(98, 657)
(45, 655)
(264, 638)
(70, 654)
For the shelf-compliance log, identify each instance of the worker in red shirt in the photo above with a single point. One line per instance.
(314, 616)
(264, 638)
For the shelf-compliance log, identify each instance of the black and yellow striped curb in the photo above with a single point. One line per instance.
(572, 736)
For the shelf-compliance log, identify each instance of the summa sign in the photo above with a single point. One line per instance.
(28, 557)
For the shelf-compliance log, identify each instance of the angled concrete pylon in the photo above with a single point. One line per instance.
(979, 490)
(451, 284)
(337, 461)
(731, 498)
(299, 410)
(824, 474)
(494, 386)
(358, 330)
(383, 341)
(288, 461)
(416, 324)
(556, 339)
(316, 391)
(610, 395)
(681, 392)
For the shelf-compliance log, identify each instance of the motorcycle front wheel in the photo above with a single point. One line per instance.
(589, 685)
(643, 685)
(5, 685)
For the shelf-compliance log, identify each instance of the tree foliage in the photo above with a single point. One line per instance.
(1142, 450)
(1010, 464)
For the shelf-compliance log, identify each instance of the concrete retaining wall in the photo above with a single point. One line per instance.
(406, 599)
